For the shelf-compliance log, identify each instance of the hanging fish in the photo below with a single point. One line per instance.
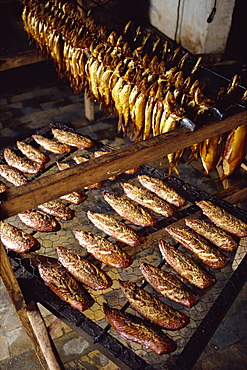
(210, 151)
(234, 150)
(148, 117)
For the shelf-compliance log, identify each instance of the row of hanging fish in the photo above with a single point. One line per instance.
(148, 85)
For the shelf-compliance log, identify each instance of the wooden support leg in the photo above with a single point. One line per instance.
(30, 317)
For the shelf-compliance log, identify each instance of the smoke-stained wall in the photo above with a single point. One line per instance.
(186, 21)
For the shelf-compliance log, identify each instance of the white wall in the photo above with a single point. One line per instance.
(188, 24)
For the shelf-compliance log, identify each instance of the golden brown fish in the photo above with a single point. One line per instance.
(162, 189)
(115, 228)
(57, 209)
(221, 218)
(138, 118)
(214, 234)
(32, 153)
(103, 250)
(62, 283)
(147, 130)
(12, 174)
(124, 101)
(116, 98)
(185, 266)
(234, 150)
(156, 117)
(129, 211)
(200, 247)
(76, 197)
(39, 221)
(51, 145)
(153, 309)
(83, 270)
(147, 199)
(106, 86)
(21, 163)
(92, 69)
(210, 151)
(72, 139)
(137, 330)
(169, 285)
(17, 240)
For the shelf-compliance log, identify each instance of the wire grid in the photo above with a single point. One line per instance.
(146, 252)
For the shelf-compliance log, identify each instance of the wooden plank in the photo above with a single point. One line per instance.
(30, 317)
(50, 187)
(20, 59)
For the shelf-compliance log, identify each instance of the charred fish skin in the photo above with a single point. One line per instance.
(169, 285)
(223, 219)
(214, 234)
(59, 280)
(206, 252)
(83, 270)
(152, 308)
(147, 199)
(138, 330)
(129, 210)
(186, 266)
(162, 189)
(103, 250)
(115, 228)
(16, 239)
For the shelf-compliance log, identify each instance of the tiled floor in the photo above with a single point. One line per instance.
(31, 98)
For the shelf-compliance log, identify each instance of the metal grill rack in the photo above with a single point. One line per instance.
(204, 316)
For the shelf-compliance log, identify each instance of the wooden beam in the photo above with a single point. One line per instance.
(30, 317)
(18, 199)
(20, 59)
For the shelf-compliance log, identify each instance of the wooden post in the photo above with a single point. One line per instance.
(88, 104)
(89, 108)
(30, 317)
